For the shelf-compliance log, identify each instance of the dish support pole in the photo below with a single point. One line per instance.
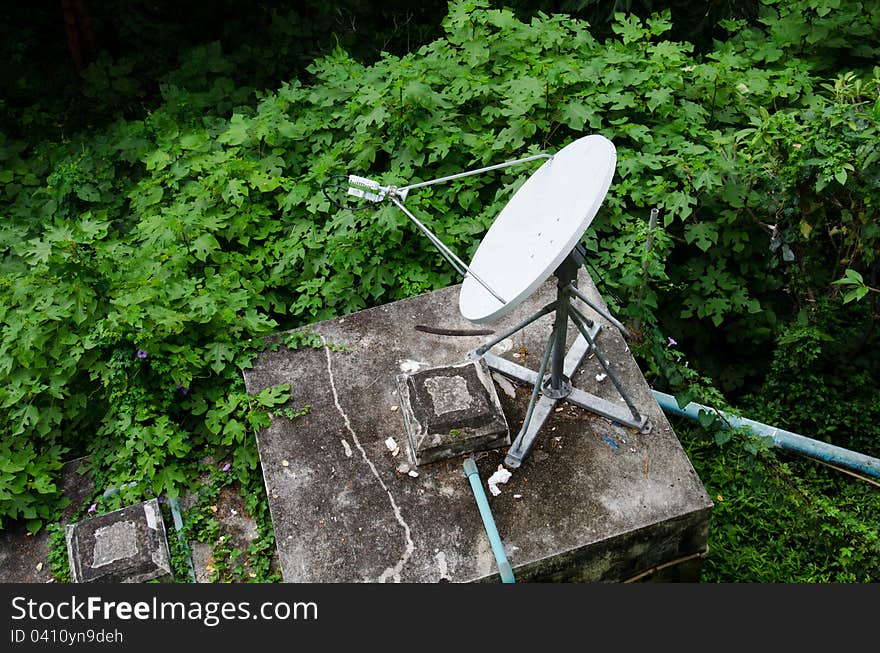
(556, 385)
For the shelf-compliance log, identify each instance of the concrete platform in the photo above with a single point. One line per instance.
(593, 501)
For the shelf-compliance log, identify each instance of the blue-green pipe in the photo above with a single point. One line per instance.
(504, 568)
(781, 438)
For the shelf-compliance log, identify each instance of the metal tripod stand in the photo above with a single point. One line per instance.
(555, 385)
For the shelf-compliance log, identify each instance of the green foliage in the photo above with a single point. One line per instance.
(856, 282)
(229, 563)
(27, 489)
(821, 381)
(780, 520)
(59, 563)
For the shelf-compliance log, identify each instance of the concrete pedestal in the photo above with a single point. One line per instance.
(451, 410)
(124, 546)
(594, 501)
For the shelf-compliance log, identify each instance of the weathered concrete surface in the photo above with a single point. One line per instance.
(123, 546)
(451, 410)
(345, 509)
(23, 556)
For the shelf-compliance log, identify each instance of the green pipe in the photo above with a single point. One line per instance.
(783, 439)
(504, 568)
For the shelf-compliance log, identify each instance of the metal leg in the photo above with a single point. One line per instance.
(560, 330)
(482, 349)
(526, 438)
(607, 409)
(517, 444)
(577, 318)
(577, 293)
(562, 368)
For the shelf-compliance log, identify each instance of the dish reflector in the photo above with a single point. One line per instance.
(538, 228)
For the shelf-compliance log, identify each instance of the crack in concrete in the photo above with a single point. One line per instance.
(394, 571)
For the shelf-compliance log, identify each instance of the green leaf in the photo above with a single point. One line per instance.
(660, 23)
(152, 195)
(218, 355)
(855, 294)
(722, 436)
(706, 418)
(704, 234)
(294, 197)
(657, 97)
(235, 192)
(234, 431)
(274, 395)
(684, 398)
(628, 26)
(575, 115)
(88, 193)
(157, 160)
(237, 133)
(169, 479)
(194, 140)
(38, 251)
(204, 245)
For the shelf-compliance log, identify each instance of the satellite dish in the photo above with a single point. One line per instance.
(538, 228)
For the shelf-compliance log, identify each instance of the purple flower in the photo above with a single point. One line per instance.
(182, 388)
(671, 343)
(141, 353)
(226, 467)
(92, 508)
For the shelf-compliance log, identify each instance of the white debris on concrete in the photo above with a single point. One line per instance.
(501, 475)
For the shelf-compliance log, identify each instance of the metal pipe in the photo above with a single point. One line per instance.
(649, 244)
(580, 322)
(537, 389)
(482, 349)
(468, 173)
(577, 293)
(460, 266)
(504, 568)
(560, 330)
(783, 439)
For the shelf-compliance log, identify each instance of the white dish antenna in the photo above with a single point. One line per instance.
(538, 228)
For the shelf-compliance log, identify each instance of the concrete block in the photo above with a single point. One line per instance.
(128, 545)
(451, 410)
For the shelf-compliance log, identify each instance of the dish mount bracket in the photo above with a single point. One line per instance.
(555, 384)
